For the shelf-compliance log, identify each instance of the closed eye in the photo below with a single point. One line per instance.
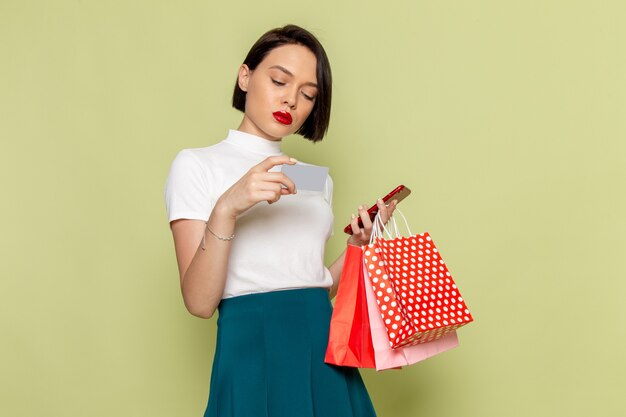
(277, 82)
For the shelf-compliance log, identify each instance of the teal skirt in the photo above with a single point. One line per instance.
(269, 360)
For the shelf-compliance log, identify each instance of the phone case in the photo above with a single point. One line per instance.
(400, 193)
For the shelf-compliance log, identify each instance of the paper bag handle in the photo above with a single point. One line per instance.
(378, 227)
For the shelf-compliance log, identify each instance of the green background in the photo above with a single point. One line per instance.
(506, 118)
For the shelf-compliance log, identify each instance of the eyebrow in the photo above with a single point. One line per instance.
(286, 71)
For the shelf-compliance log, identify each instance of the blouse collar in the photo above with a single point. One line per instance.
(254, 143)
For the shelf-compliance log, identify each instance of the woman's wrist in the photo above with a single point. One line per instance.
(352, 240)
(221, 221)
(220, 226)
(223, 211)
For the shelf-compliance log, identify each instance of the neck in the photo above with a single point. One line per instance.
(247, 126)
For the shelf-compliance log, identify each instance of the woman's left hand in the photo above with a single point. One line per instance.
(361, 236)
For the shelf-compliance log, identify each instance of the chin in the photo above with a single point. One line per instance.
(281, 132)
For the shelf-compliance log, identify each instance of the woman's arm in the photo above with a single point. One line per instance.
(335, 271)
(359, 237)
(203, 272)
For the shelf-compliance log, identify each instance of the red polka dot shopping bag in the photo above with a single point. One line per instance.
(385, 356)
(417, 298)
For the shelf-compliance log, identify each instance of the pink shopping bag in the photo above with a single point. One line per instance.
(385, 356)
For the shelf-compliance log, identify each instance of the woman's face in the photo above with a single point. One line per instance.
(281, 92)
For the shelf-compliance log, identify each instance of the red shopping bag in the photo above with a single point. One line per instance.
(418, 299)
(349, 338)
(388, 358)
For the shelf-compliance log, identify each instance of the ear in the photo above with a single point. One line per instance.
(243, 77)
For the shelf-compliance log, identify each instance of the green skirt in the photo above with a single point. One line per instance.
(269, 360)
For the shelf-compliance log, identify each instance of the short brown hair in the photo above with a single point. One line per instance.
(315, 126)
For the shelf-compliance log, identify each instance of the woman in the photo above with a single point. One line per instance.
(252, 246)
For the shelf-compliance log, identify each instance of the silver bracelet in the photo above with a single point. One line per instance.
(219, 237)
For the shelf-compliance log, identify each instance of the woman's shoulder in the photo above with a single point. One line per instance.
(206, 157)
(202, 152)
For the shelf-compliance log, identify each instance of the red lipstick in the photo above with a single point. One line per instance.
(282, 117)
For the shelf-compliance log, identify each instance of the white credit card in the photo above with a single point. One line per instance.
(306, 177)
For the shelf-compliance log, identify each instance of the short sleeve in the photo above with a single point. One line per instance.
(187, 189)
(328, 195)
(328, 190)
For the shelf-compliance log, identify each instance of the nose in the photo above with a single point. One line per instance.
(290, 98)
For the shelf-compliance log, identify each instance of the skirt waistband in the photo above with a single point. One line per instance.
(289, 298)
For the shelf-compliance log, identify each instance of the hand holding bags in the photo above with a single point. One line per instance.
(365, 299)
(418, 299)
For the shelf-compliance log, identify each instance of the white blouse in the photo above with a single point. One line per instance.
(276, 247)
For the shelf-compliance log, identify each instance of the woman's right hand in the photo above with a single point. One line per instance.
(258, 185)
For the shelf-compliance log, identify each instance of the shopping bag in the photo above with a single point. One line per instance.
(418, 300)
(349, 338)
(387, 358)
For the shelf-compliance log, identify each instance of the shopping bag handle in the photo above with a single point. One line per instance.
(378, 226)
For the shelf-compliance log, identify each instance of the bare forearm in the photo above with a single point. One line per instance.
(204, 280)
(359, 237)
(203, 274)
(335, 271)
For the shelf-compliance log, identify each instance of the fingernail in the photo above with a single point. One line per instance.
(360, 207)
(353, 216)
(380, 200)
(293, 159)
